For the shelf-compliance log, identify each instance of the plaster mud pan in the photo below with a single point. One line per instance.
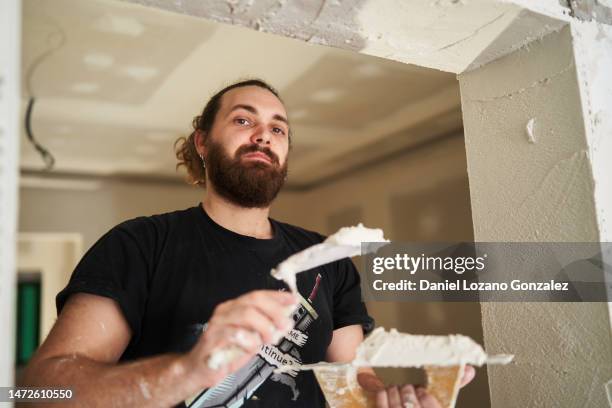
(443, 359)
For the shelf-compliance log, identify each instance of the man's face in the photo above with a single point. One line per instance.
(246, 151)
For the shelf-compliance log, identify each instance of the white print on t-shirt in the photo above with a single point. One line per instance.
(239, 386)
(277, 358)
(297, 337)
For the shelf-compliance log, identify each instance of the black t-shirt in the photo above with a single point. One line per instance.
(167, 273)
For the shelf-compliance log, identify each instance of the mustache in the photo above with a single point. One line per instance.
(246, 149)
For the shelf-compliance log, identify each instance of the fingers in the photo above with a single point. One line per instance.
(370, 382)
(251, 319)
(408, 397)
(261, 311)
(468, 375)
(247, 340)
(426, 399)
(381, 399)
(393, 397)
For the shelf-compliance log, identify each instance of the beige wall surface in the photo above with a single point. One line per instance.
(536, 187)
(93, 212)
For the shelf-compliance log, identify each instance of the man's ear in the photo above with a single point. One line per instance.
(199, 141)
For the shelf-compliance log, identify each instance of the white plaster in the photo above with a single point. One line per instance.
(141, 73)
(345, 243)
(593, 47)
(85, 87)
(10, 56)
(144, 388)
(530, 131)
(220, 358)
(447, 35)
(98, 60)
(326, 95)
(551, 8)
(120, 25)
(593, 50)
(393, 349)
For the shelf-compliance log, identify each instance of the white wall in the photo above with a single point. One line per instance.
(10, 51)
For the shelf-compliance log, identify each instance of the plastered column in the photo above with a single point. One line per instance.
(10, 34)
(529, 155)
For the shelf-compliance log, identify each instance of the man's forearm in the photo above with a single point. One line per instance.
(161, 381)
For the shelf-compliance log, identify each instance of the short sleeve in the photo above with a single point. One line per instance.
(115, 267)
(349, 308)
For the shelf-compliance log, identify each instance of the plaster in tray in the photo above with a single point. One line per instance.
(442, 357)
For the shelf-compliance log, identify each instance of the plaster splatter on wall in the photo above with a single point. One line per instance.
(529, 129)
(608, 387)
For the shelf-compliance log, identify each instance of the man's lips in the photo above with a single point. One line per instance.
(257, 156)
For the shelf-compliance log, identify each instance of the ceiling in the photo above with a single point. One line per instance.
(116, 84)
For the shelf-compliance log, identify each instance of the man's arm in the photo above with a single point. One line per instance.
(91, 333)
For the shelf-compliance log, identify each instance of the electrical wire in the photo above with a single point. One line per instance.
(44, 153)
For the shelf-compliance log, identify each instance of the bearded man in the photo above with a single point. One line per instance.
(156, 297)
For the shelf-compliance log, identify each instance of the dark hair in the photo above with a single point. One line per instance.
(185, 149)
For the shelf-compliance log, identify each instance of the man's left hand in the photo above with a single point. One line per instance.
(406, 395)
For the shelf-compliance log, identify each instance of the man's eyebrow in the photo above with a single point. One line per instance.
(242, 106)
(253, 110)
(281, 118)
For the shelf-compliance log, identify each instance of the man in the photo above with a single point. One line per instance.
(156, 299)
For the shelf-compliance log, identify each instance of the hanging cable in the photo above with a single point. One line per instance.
(44, 153)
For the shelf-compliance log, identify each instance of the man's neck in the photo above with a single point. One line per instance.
(252, 222)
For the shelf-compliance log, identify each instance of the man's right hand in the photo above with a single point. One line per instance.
(246, 322)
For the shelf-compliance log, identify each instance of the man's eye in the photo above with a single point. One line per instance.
(241, 121)
(278, 131)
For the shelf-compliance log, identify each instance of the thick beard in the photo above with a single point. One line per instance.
(251, 185)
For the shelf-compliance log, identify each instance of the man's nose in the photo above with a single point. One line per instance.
(260, 136)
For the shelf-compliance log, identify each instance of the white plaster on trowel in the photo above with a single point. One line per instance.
(393, 349)
(345, 243)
